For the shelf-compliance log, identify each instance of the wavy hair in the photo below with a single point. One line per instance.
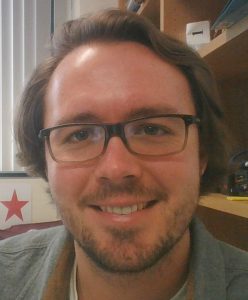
(116, 25)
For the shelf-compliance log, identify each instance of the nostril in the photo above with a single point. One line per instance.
(117, 163)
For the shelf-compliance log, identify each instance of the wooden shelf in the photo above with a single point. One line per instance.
(177, 13)
(226, 220)
(227, 54)
(220, 203)
(230, 46)
(225, 226)
(151, 10)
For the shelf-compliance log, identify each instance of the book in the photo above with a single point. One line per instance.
(134, 5)
(234, 11)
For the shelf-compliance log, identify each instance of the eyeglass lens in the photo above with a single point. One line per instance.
(150, 136)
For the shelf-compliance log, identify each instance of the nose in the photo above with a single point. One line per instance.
(117, 163)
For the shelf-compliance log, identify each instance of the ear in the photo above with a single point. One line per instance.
(45, 169)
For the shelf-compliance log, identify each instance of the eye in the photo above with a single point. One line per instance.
(78, 135)
(81, 135)
(154, 130)
(151, 130)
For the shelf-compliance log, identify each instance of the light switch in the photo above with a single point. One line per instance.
(198, 33)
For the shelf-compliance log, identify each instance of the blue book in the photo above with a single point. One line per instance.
(234, 11)
(134, 5)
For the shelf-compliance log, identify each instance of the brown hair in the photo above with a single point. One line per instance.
(115, 25)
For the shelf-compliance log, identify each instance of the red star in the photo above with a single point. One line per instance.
(14, 207)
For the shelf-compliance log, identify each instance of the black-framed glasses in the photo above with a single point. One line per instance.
(157, 135)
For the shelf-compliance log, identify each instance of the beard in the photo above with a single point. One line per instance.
(124, 255)
(125, 252)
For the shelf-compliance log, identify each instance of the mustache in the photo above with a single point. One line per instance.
(109, 190)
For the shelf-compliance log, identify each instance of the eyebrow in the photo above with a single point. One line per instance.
(151, 111)
(89, 117)
(86, 117)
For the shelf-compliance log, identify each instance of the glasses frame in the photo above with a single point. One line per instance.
(117, 130)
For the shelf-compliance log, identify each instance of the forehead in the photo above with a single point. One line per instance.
(110, 82)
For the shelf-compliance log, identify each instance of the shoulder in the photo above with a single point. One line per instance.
(28, 259)
(236, 271)
(235, 259)
(34, 239)
(30, 250)
(221, 270)
(232, 257)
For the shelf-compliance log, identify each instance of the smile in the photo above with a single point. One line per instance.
(126, 210)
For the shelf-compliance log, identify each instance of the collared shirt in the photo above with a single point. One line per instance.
(182, 293)
(37, 266)
(73, 295)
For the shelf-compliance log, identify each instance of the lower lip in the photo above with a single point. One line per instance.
(112, 219)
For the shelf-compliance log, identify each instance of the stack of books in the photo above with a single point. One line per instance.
(234, 11)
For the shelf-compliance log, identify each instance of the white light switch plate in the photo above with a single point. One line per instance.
(198, 33)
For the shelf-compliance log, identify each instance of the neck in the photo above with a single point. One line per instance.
(162, 281)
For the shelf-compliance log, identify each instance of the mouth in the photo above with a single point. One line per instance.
(125, 210)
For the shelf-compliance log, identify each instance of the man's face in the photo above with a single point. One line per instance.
(110, 83)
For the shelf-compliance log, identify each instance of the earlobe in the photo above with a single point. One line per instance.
(203, 164)
(45, 171)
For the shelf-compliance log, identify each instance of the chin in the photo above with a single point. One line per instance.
(125, 252)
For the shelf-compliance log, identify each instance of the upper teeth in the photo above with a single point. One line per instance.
(123, 210)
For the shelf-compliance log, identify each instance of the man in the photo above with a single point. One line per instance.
(123, 123)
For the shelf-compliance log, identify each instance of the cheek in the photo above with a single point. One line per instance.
(180, 171)
(66, 183)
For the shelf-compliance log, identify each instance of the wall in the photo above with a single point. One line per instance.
(31, 191)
